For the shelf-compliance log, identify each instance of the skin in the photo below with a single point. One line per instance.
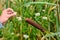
(6, 14)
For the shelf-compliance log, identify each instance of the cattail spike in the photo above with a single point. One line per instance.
(59, 2)
(34, 24)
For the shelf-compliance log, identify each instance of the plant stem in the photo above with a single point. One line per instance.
(6, 3)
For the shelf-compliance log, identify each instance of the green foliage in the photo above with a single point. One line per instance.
(43, 12)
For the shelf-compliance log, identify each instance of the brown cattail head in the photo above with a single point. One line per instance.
(36, 25)
(59, 2)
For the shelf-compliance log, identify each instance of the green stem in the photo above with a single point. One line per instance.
(57, 21)
(50, 35)
(40, 3)
(6, 3)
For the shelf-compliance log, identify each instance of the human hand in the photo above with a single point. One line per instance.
(6, 14)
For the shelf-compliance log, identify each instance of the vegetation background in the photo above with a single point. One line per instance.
(43, 12)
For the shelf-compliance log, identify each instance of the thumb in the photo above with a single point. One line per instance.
(13, 14)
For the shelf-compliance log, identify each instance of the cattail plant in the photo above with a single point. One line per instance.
(35, 24)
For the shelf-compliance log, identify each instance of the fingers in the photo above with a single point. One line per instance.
(10, 11)
(14, 14)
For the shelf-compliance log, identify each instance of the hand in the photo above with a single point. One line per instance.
(6, 14)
